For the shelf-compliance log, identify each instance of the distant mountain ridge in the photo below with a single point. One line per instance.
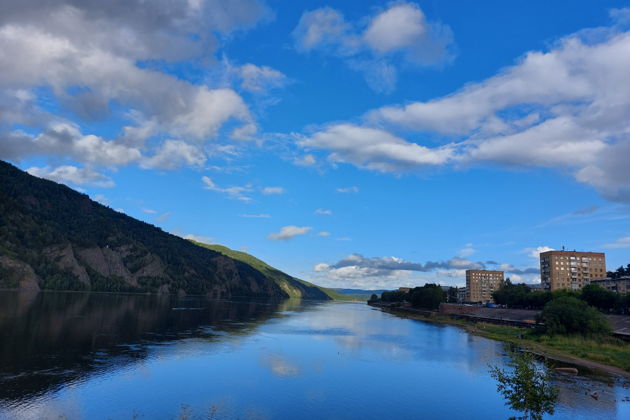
(55, 238)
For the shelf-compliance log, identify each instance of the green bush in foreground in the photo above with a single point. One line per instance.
(527, 387)
(569, 315)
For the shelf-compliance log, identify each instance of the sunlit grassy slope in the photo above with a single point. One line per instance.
(294, 287)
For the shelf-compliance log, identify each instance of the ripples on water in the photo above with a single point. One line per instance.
(83, 356)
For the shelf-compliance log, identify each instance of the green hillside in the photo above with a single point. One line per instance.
(294, 287)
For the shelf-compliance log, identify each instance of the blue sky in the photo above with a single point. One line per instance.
(354, 144)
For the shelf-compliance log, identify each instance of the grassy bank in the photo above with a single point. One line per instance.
(600, 353)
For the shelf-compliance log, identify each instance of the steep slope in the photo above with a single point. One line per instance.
(52, 237)
(294, 287)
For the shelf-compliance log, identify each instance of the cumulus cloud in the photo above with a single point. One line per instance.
(260, 79)
(173, 154)
(391, 272)
(373, 148)
(535, 252)
(85, 55)
(68, 174)
(235, 192)
(356, 265)
(66, 140)
(289, 232)
(565, 108)
(377, 44)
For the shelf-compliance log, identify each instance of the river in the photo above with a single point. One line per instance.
(99, 356)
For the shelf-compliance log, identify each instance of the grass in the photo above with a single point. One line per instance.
(608, 350)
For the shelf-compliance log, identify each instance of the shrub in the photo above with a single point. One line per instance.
(569, 315)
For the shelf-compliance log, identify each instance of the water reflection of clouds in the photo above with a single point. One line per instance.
(280, 365)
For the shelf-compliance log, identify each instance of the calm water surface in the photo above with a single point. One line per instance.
(82, 356)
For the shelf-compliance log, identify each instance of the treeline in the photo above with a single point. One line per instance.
(522, 297)
(428, 296)
(620, 272)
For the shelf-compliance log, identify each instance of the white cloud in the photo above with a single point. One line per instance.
(323, 212)
(373, 148)
(86, 55)
(199, 238)
(65, 140)
(256, 216)
(260, 79)
(235, 192)
(73, 175)
(306, 160)
(289, 232)
(163, 217)
(400, 26)
(173, 154)
(467, 251)
(323, 234)
(535, 252)
(377, 44)
(619, 243)
(565, 108)
(149, 211)
(273, 190)
(348, 190)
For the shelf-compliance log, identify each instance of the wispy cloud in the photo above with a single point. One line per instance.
(619, 243)
(256, 216)
(273, 190)
(237, 193)
(289, 232)
(348, 190)
(323, 212)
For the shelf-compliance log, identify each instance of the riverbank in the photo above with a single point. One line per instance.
(609, 355)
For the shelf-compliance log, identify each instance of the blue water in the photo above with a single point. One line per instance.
(81, 356)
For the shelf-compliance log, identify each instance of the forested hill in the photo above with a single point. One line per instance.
(52, 237)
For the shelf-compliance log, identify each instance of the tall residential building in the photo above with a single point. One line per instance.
(570, 269)
(481, 283)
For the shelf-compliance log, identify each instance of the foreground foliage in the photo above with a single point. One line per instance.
(526, 387)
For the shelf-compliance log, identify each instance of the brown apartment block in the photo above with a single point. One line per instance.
(570, 269)
(481, 283)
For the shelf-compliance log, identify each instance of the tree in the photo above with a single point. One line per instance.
(596, 296)
(373, 298)
(428, 296)
(527, 387)
(451, 295)
(570, 315)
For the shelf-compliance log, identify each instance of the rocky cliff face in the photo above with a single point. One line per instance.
(52, 237)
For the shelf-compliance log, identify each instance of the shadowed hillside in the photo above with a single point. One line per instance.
(52, 237)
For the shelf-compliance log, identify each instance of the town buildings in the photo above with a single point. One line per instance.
(619, 284)
(570, 269)
(481, 283)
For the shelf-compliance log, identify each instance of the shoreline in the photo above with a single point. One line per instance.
(536, 348)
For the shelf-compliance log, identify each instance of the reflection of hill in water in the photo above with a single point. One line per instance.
(50, 339)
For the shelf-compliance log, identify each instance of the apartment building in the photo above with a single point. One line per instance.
(481, 283)
(570, 269)
(620, 284)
